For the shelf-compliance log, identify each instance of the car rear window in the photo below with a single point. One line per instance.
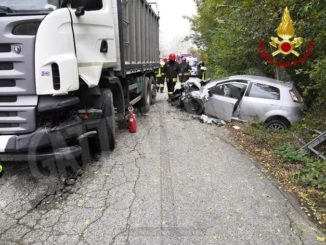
(263, 91)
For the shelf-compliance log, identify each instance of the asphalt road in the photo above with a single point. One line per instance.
(176, 181)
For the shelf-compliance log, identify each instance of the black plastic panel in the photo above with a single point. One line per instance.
(8, 99)
(9, 125)
(5, 48)
(8, 114)
(7, 83)
(26, 29)
(56, 76)
(6, 66)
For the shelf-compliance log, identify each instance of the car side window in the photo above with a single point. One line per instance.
(232, 90)
(218, 90)
(264, 92)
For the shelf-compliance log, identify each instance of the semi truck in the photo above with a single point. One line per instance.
(69, 71)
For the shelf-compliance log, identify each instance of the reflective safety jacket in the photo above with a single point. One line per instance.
(203, 71)
(160, 72)
(171, 69)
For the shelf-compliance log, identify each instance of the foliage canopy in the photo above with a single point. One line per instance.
(228, 32)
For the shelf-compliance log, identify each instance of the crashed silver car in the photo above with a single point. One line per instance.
(249, 98)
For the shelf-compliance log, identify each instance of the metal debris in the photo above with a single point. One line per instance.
(209, 120)
(313, 145)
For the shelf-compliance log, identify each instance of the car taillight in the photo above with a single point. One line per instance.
(294, 97)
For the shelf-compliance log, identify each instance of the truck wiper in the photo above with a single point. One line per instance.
(5, 10)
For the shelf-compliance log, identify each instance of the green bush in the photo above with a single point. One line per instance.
(228, 31)
(258, 131)
(290, 155)
(314, 172)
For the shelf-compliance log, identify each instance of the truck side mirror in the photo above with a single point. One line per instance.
(80, 11)
(91, 5)
(86, 5)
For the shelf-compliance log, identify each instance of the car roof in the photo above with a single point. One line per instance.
(263, 80)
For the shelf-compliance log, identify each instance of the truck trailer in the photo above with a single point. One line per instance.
(69, 70)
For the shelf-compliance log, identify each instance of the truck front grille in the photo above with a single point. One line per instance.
(8, 99)
(18, 98)
(17, 65)
(7, 83)
(9, 125)
(5, 48)
(8, 113)
(17, 120)
(6, 66)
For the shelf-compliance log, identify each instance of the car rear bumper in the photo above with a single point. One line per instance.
(295, 114)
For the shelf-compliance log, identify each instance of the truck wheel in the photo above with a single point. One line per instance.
(109, 117)
(145, 102)
(153, 90)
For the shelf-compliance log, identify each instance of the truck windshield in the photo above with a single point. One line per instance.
(18, 6)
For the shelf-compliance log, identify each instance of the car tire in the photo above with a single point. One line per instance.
(277, 124)
(193, 106)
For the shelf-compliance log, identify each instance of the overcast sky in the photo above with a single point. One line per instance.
(173, 25)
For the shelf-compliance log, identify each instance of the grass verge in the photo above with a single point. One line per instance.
(297, 173)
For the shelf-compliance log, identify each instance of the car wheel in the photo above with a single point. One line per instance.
(277, 124)
(193, 106)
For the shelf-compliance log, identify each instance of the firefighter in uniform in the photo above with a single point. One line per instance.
(185, 69)
(171, 70)
(160, 75)
(201, 71)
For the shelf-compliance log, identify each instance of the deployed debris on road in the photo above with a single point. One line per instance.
(209, 120)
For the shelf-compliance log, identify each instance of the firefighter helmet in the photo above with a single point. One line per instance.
(172, 57)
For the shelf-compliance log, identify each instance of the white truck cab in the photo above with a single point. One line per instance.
(68, 71)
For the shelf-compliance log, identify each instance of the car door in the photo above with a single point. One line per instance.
(94, 30)
(223, 99)
(258, 101)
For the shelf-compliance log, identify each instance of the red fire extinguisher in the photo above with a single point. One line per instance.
(132, 120)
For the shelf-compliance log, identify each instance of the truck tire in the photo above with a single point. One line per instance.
(153, 90)
(146, 100)
(108, 119)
